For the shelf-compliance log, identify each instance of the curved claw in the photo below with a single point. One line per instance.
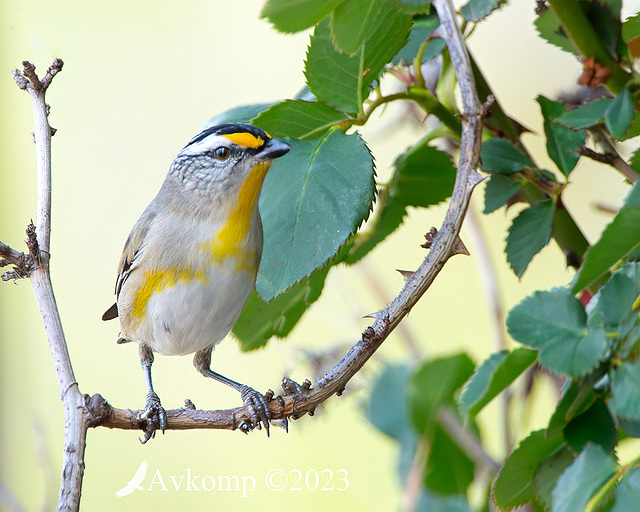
(258, 407)
(155, 416)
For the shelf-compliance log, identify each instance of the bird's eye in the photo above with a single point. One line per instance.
(222, 153)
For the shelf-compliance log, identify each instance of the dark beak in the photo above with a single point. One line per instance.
(273, 148)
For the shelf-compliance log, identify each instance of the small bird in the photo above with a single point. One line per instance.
(191, 260)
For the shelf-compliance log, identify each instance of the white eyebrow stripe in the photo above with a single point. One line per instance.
(207, 144)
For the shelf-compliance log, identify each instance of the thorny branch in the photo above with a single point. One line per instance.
(299, 400)
(82, 411)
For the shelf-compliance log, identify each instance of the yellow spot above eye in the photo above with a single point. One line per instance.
(244, 139)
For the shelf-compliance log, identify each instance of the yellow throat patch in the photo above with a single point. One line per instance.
(226, 244)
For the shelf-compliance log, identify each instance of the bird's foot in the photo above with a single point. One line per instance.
(154, 415)
(258, 406)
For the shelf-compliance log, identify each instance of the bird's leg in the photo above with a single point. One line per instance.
(154, 414)
(256, 403)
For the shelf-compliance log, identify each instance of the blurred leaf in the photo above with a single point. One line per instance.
(476, 10)
(388, 409)
(416, 6)
(555, 323)
(580, 481)
(428, 502)
(449, 470)
(242, 114)
(433, 385)
(342, 80)
(529, 233)
(514, 484)
(351, 23)
(549, 28)
(619, 114)
(595, 426)
(312, 201)
(304, 120)
(562, 142)
(492, 377)
(295, 15)
(618, 239)
(586, 115)
(549, 471)
(421, 30)
(260, 320)
(631, 27)
(577, 396)
(627, 494)
(423, 177)
(501, 156)
(498, 190)
(625, 390)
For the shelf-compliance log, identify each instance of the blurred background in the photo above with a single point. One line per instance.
(139, 79)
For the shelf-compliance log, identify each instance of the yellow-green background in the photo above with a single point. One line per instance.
(139, 79)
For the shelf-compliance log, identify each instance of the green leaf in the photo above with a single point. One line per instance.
(549, 29)
(586, 115)
(548, 472)
(627, 494)
(388, 409)
(613, 304)
(625, 390)
(555, 323)
(351, 23)
(476, 10)
(291, 16)
(492, 377)
(580, 481)
(434, 385)
(619, 115)
(529, 233)
(498, 190)
(595, 426)
(501, 156)
(260, 320)
(618, 239)
(311, 202)
(304, 120)
(562, 142)
(448, 470)
(514, 484)
(421, 30)
(423, 177)
(341, 80)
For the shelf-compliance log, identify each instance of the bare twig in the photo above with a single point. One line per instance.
(614, 160)
(38, 242)
(466, 440)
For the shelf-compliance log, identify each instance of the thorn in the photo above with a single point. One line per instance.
(407, 274)
(459, 247)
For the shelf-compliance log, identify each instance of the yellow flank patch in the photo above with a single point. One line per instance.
(228, 242)
(244, 139)
(157, 280)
